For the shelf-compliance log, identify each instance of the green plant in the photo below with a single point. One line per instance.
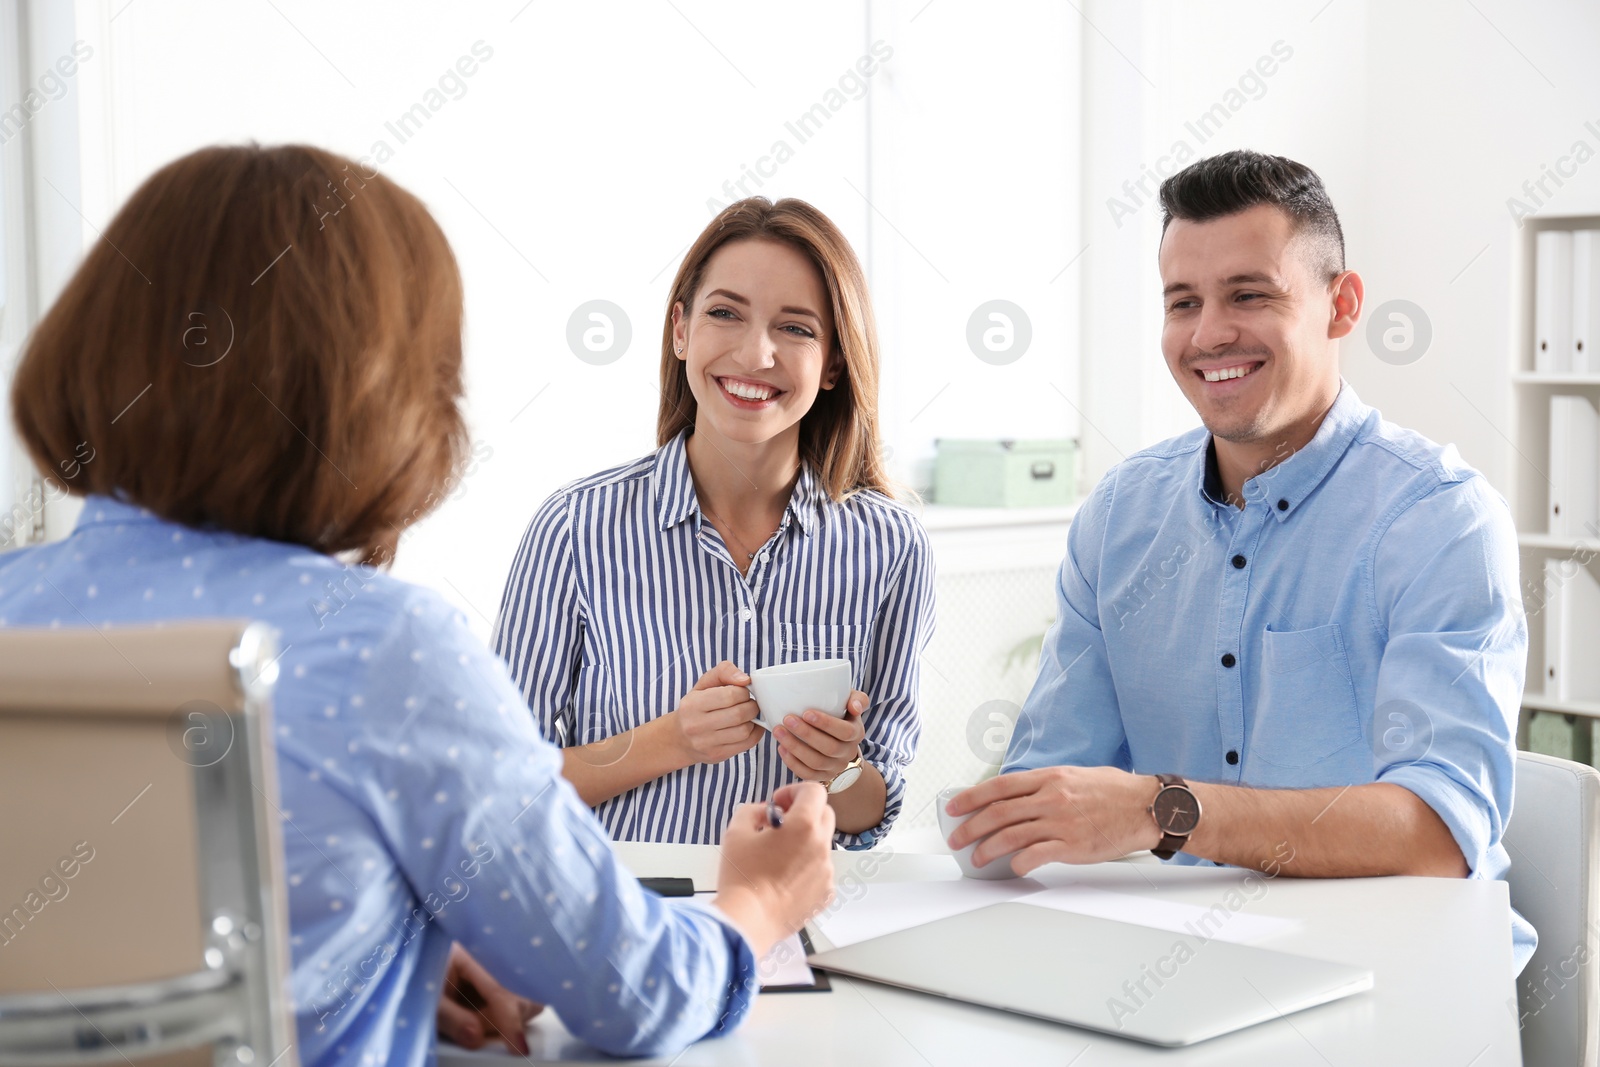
(1025, 653)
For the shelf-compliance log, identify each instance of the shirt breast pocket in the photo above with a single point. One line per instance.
(805, 641)
(1306, 708)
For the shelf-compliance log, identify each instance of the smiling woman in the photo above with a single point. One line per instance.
(793, 248)
(761, 531)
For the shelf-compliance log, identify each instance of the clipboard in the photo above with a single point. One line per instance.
(683, 887)
(821, 985)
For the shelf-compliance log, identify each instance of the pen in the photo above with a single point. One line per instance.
(774, 813)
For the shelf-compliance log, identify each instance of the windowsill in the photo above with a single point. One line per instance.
(1539, 702)
(945, 517)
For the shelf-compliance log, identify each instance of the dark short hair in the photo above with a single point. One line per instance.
(265, 341)
(1228, 183)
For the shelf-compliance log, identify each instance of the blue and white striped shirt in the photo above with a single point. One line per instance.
(621, 597)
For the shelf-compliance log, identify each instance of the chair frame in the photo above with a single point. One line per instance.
(239, 1002)
(1544, 1037)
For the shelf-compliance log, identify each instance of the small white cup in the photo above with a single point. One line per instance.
(993, 870)
(795, 688)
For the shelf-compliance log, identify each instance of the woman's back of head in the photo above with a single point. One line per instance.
(267, 341)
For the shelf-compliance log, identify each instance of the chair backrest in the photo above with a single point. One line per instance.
(140, 899)
(1552, 842)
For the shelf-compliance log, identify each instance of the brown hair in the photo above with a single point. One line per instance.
(839, 435)
(265, 340)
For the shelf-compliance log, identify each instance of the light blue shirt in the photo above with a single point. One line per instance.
(622, 595)
(419, 803)
(1357, 621)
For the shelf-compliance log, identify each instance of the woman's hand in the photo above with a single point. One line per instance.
(817, 747)
(474, 1008)
(716, 719)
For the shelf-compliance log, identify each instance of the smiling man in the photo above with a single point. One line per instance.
(1290, 640)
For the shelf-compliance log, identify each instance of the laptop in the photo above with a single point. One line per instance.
(1156, 986)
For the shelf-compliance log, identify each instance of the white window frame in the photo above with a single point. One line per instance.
(41, 240)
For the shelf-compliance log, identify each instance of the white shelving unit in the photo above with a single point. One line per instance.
(1530, 495)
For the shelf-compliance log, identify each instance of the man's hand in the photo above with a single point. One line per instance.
(1057, 815)
(716, 719)
(817, 747)
(474, 1008)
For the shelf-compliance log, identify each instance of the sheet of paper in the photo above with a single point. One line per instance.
(785, 964)
(1221, 920)
(885, 907)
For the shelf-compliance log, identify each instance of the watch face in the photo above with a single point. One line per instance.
(1176, 810)
(845, 780)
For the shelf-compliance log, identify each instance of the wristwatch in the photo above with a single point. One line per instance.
(847, 777)
(1176, 811)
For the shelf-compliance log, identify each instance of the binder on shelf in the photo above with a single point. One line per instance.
(1585, 301)
(1574, 468)
(1552, 302)
(1571, 631)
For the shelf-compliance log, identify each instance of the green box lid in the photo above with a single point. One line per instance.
(1055, 445)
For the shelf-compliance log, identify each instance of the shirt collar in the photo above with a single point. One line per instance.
(1211, 475)
(1282, 487)
(805, 503)
(676, 500)
(672, 484)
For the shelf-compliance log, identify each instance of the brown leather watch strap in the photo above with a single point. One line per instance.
(1171, 844)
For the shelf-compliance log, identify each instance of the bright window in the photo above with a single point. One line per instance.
(578, 160)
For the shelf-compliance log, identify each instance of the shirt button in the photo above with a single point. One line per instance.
(1239, 562)
(1228, 660)
(1283, 505)
(745, 614)
(1232, 757)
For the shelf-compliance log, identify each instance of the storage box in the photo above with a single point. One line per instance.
(1567, 736)
(1005, 474)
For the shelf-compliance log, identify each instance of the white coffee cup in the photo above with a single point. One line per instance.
(995, 868)
(796, 688)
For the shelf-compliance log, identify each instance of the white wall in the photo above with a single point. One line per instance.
(1422, 118)
(1272, 80)
(976, 159)
(1454, 131)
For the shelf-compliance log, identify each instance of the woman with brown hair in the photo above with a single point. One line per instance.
(254, 377)
(761, 531)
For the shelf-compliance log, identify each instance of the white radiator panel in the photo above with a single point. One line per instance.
(995, 589)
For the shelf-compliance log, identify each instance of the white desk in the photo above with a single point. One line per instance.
(1440, 950)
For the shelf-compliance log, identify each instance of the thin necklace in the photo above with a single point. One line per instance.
(724, 527)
